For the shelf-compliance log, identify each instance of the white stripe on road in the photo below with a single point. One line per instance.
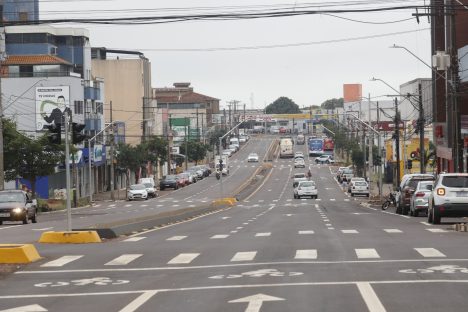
(349, 231)
(134, 239)
(306, 232)
(184, 258)
(437, 230)
(219, 236)
(176, 238)
(244, 256)
(367, 253)
(138, 302)
(430, 252)
(370, 297)
(263, 234)
(425, 223)
(306, 254)
(61, 261)
(124, 259)
(393, 231)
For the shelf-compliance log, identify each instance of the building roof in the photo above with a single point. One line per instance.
(185, 98)
(43, 59)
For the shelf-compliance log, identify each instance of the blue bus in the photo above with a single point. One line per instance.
(316, 147)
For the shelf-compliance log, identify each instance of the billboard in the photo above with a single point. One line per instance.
(352, 92)
(51, 103)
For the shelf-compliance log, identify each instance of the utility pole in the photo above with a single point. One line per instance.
(112, 155)
(379, 153)
(371, 144)
(421, 122)
(67, 169)
(2, 58)
(186, 144)
(198, 130)
(397, 141)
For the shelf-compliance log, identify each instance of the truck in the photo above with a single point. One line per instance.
(286, 147)
(225, 163)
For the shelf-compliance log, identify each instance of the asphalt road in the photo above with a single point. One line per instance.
(269, 253)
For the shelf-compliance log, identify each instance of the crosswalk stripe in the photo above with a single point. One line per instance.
(306, 232)
(183, 258)
(61, 261)
(124, 259)
(219, 236)
(349, 231)
(306, 254)
(244, 256)
(176, 238)
(262, 234)
(429, 252)
(393, 231)
(367, 253)
(134, 239)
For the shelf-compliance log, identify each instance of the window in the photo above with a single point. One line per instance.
(23, 16)
(13, 38)
(78, 107)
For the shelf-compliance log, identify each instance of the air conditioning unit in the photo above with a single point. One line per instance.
(53, 50)
(441, 60)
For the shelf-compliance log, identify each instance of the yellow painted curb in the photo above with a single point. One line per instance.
(73, 237)
(18, 253)
(225, 201)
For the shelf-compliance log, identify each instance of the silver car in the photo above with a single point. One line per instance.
(420, 199)
(306, 188)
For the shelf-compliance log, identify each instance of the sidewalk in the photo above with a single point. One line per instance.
(118, 194)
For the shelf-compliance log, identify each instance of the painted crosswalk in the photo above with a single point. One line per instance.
(244, 256)
(183, 258)
(306, 254)
(367, 253)
(430, 252)
(61, 261)
(124, 259)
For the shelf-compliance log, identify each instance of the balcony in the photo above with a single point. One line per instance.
(92, 93)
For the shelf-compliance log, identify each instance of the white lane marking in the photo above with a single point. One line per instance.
(138, 302)
(370, 297)
(124, 259)
(332, 199)
(262, 234)
(134, 239)
(430, 252)
(261, 200)
(176, 238)
(326, 220)
(61, 261)
(113, 205)
(437, 230)
(239, 228)
(316, 206)
(367, 253)
(393, 231)
(318, 199)
(224, 218)
(306, 254)
(128, 205)
(183, 258)
(245, 223)
(425, 223)
(346, 199)
(233, 231)
(175, 205)
(349, 231)
(219, 236)
(288, 200)
(43, 229)
(244, 256)
(306, 232)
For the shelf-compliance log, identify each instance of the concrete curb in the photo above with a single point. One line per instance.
(74, 237)
(18, 253)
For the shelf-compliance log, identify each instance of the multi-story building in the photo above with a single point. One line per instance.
(14, 10)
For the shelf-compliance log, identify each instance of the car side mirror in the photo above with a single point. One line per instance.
(29, 201)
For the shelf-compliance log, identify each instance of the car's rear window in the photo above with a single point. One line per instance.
(413, 183)
(360, 183)
(307, 184)
(461, 181)
(299, 175)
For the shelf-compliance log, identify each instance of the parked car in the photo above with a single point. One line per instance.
(449, 197)
(206, 170)
(192, 176)
(253, 157)
(324, 159)
(354, 179)
(346, 175)
(227, 152)
(305, 188)
(150, 186)
(406, 189)
(298, 177)
(339, 172)
(17, 205)
(359, 188)
(137, 191)
(234, 147)
(169, 181)
(242, 139)
(299, 163)
(419, 201)
(184, 179)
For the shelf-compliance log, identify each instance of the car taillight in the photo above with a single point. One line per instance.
(441, 191)
(420, 194)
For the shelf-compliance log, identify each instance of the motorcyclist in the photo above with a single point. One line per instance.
(309, 174)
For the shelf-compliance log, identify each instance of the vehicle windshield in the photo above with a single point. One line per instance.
(170, 177)
(11, 197)
(360, 183)
(148, 185)
(137, 187)
(455, 181)
(413, 183)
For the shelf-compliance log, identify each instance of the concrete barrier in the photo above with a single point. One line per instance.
(18, 253)
(73, 237)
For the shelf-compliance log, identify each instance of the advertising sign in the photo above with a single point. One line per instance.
(97, 155)
(178, 133)
(51, 103)
(175, 149)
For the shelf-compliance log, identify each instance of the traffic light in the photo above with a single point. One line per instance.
(220, 164)
(77, 136)
(55, 133)
(377, 160)
(409, 164)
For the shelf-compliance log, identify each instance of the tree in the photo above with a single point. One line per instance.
(196, 151)
(29, 158)
(156, 149)
(283, 105)
(333, 103)
(213, 138)
(130, 158)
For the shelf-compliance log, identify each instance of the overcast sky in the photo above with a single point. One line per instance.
(308, 74)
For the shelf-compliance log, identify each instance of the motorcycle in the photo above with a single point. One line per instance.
(390, 200)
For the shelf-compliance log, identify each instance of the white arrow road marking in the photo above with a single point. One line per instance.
(43, 229)
(124, 259)
(29, 308)
(255, 301)
(61, 261)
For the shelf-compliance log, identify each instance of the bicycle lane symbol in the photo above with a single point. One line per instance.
(446, 269)
(258, 273)
(99, 281)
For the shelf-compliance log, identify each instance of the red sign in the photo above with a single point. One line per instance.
(328, 145)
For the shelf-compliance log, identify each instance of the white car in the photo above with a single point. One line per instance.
(242, 139)
(298, 154)
(449, 197)
(137, 191)
(359, 188)
(299, 162)
(306, 188)
(298, 177)
(419, 201)
(253, 157)
(227, 152)
(324, 159)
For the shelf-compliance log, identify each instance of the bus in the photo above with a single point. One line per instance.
(316, 147)
(328, 146)
(286, 147)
